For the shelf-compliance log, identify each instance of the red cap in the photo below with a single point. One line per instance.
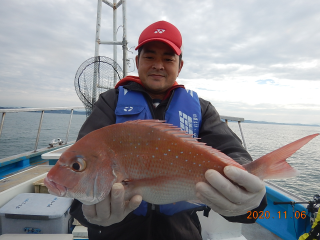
(164, 32)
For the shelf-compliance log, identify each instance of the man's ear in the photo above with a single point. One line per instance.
(180, 67)
(137, 62)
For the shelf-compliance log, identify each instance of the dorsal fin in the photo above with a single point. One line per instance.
(177, 132)
(165, 127)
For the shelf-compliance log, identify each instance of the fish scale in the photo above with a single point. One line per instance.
(163, 162)
(153, 159)
(157, 156)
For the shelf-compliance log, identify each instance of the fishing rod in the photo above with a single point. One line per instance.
(311, 204)
(312, 209)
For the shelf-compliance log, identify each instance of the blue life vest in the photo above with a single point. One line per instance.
(184, 111)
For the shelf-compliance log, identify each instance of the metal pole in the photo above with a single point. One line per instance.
(2, 120)
(110, 42)
(39, 129)
(69, 126)
(114, 39)
(96, 53)
(244, 142)
(124, 44)
(109, 4)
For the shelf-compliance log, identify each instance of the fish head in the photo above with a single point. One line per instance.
(83, 172)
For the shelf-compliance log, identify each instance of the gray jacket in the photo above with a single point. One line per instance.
(184, 225)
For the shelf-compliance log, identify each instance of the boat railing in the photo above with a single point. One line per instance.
(42, 110)
(239, 120)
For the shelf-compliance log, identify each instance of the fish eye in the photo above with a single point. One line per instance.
(76, 166)
(79, 165)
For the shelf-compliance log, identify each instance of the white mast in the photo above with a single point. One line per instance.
(124, 42)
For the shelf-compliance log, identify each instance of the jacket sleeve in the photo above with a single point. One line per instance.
(217, 134)
(102, 113)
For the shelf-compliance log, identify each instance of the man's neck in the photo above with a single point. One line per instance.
(157, 96)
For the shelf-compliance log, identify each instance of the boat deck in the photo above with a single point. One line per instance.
(256, 231)
(23, 176)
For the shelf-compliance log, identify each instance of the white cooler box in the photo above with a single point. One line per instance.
(36, 213)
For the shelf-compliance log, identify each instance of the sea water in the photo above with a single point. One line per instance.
(20, 132)
(264, 138)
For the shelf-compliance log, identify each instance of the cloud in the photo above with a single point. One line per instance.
(264, 100)
(257, 54)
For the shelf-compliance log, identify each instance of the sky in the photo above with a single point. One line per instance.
(259, 60)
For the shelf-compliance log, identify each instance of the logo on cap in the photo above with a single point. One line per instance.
(159, 31)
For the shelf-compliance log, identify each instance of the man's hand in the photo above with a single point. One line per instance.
(225, 197)
(112, 209)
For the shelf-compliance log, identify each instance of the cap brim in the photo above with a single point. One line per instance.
(171, 44)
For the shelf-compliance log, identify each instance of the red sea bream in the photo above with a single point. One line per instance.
(153, 159)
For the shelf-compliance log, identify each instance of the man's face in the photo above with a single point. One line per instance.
(158, 67)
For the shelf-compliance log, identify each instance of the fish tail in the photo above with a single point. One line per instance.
(273, 165)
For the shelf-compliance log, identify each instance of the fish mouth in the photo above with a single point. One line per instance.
(55, 188)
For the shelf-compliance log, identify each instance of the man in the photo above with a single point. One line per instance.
(155, 94)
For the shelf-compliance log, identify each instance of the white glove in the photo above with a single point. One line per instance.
(112, 209)
(227, 198)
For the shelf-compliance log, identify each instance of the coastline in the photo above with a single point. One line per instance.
(245, 121)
